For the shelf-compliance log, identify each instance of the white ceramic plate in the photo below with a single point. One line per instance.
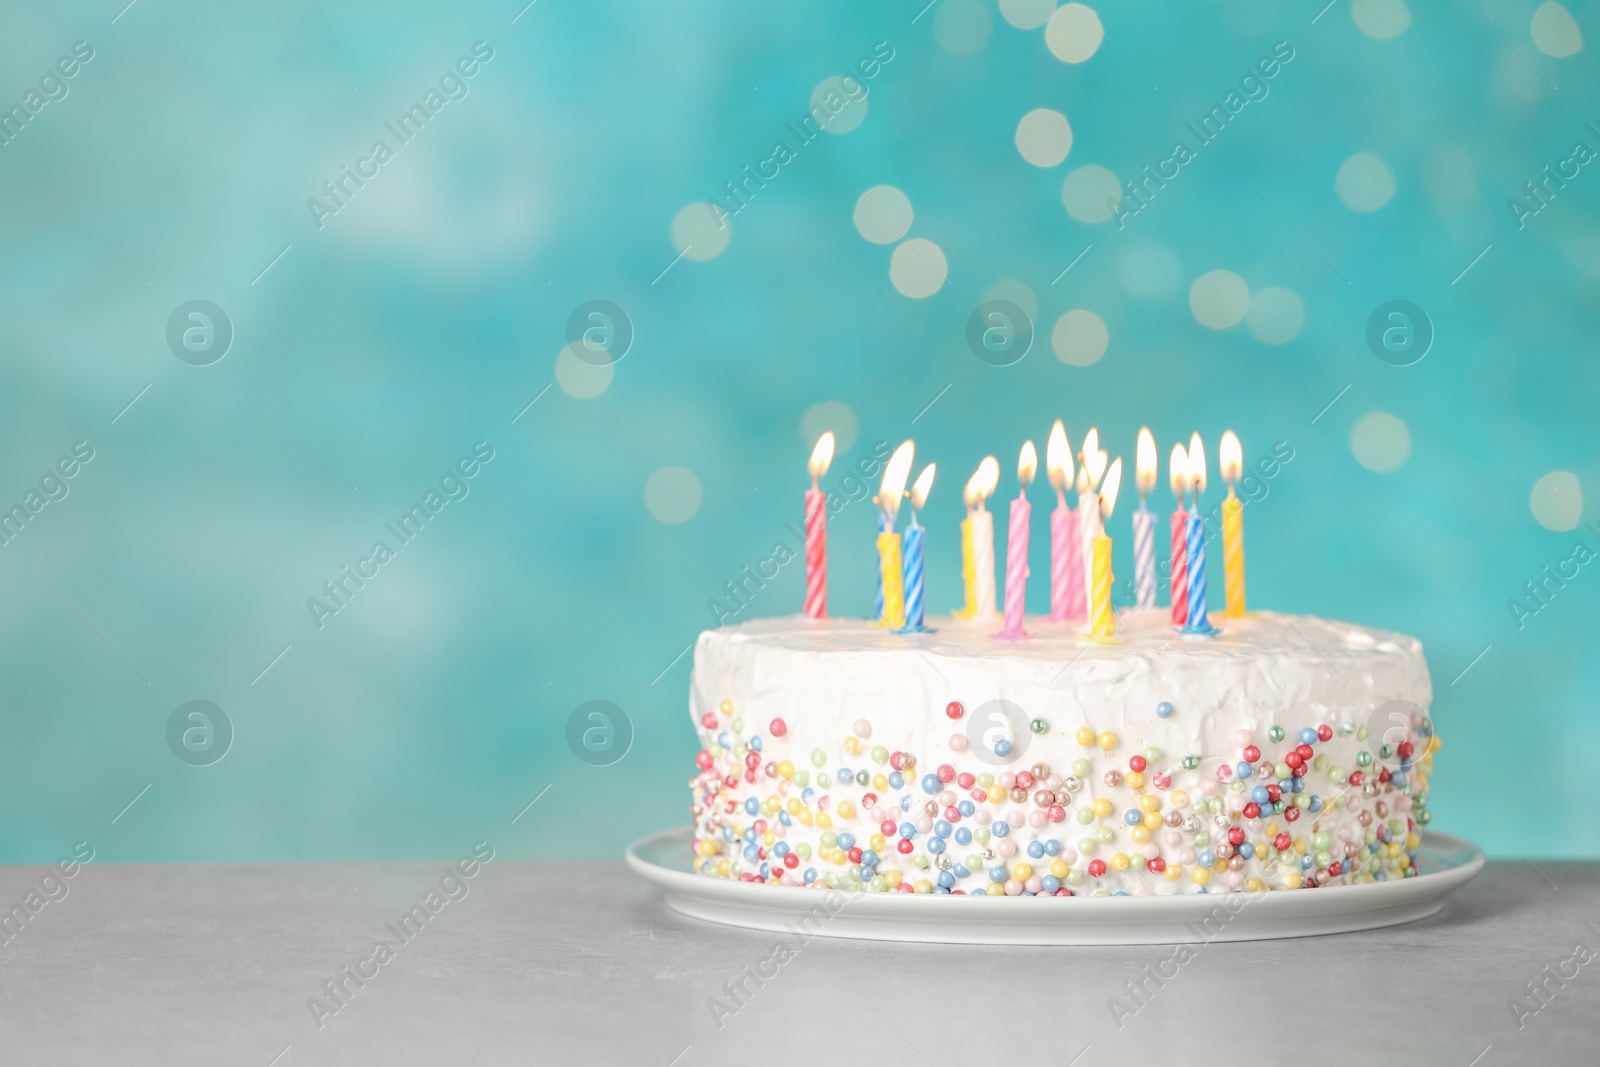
(1446, 862)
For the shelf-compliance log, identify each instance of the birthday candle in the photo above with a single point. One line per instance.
(1144, 524)
(816, 606)
(983, 592)
(1178, 471)
(913, 552)
(1195, 534)
(1091, 466)
(894, 592)
(890, 574)
(883, 528)
(1066, 572)
(1230, 459)
(1102, 622)
(1082, 549)
(968, 572)
(1017, 546)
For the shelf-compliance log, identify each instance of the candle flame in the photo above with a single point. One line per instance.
(1094, 457)
(923, 486)
(1058, 458)
(1108, 492)
(1083, 481)
(1197, 465)
(1144, 467)
(1027, 464)
(1230, 458)
(822, 455)
(988, 477)
(894, 480)
(1178, 471)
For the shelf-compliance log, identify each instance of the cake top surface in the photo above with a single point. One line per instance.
(1140, 634)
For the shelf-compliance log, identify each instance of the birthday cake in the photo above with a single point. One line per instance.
(1283, 752)
(1087, 752)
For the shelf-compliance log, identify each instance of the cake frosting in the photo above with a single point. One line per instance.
(1285, 752)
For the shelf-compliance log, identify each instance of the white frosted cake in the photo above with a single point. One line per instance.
(1286, 752)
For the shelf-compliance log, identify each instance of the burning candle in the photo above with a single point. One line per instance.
(983, 594)
(1230, 459)
(1178, 470)
(1195, 535)
(968, 572)
(1091, 466)
(817, 532)
(877, 600)
(1066, 568)
(913, 548)
(1144, 523)
(1102, 622)
(1017, 546)
(890, 575)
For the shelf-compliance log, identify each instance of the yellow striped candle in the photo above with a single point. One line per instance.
(969, 573)
(1102, 620)
(1103, 624)
(1231, 460)
(894, 590)
(1233, 553)
(893, 487)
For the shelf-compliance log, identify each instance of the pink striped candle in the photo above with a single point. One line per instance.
(1180, 569)
(1178, 472)
(816, 606)
(1017, 548)
(816, 555)
(1066, 557)
(1066, 565)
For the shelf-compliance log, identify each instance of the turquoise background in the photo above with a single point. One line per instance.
(426, 315)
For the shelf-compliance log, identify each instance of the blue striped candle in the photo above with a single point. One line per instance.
(1195, 535)
(914, 571)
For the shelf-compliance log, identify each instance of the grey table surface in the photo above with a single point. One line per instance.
(547, 963)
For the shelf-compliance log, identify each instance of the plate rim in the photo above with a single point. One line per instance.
(1397, 895)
